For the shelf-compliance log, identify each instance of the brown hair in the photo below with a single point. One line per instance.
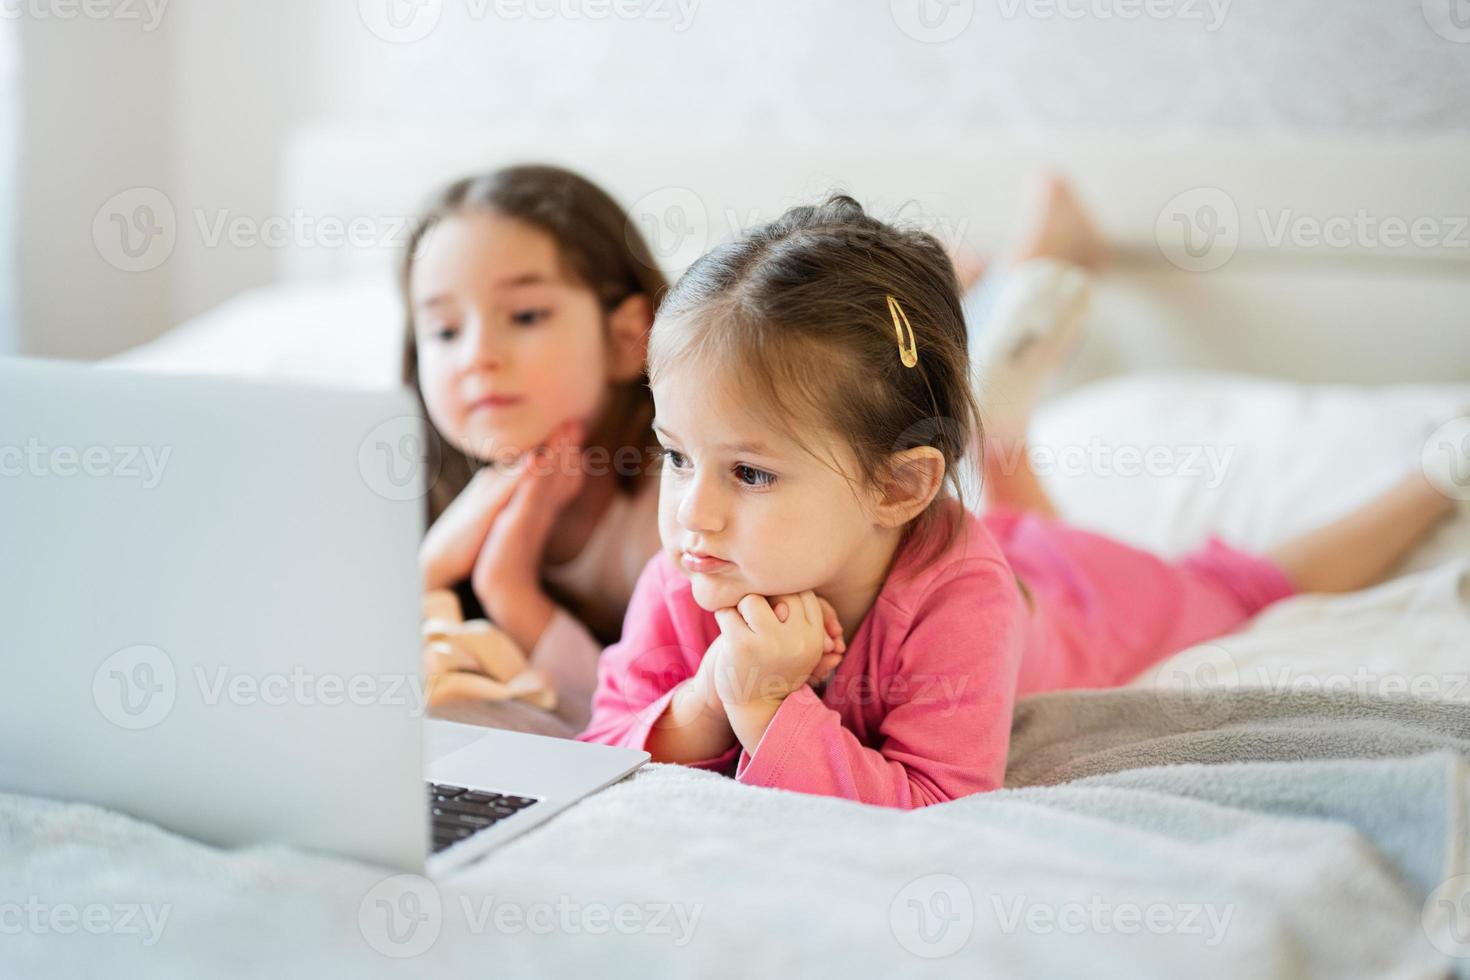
(599, 249)
(800, 307)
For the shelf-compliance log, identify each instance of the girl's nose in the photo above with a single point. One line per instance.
(701, 508)
(483, 349)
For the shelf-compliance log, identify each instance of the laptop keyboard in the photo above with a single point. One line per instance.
(457, 812)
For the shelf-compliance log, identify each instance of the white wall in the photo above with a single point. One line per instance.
(95, 120)
(9, 219)
(201, 107)
(254, 71)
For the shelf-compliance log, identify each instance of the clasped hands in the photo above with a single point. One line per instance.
(767, 649)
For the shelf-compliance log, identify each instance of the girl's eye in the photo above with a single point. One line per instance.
(529, 317)
(445, 333)
(752, 477)
(673, 457)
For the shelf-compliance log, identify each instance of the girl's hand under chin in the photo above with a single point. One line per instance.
(506, 577)
(767, 650)
(447, 555)
(771, 647)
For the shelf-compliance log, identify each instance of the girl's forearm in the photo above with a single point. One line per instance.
(436, 569)
(447, 553)
(749, 720)
(693, 727)
(523, 616)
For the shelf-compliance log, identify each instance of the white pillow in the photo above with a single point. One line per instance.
(1164, 460)
(337, 334)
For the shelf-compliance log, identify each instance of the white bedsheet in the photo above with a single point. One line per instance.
(679, 872)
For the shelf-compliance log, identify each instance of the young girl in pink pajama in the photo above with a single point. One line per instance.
(813, 401)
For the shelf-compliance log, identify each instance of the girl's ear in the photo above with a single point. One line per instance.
(627, 333)
(914, 478)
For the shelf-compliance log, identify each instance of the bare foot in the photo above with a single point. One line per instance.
(1034, 326)
(1062, 229)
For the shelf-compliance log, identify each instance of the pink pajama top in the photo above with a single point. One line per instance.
(919, 711)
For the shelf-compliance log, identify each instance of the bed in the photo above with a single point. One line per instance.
(1292, 800)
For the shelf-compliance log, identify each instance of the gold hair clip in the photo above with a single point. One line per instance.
(908, 354)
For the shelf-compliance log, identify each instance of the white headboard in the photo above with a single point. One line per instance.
(1313, 261)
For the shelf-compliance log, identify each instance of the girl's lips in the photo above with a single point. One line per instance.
(494, 402)
(695, 562)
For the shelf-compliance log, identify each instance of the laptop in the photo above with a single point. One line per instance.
(210, 617)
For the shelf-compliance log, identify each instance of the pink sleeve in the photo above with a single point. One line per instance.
(947, 730)
(637, 675)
